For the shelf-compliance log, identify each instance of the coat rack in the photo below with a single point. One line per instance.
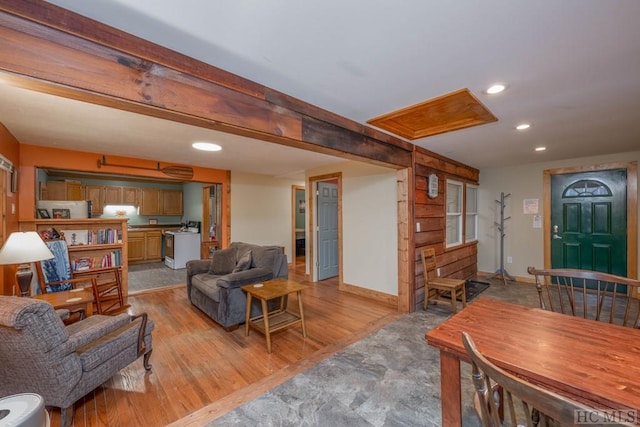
(501, 271)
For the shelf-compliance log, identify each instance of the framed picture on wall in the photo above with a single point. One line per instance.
(301, 206)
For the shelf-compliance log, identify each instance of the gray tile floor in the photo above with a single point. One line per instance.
(390, 378)
(154, 275)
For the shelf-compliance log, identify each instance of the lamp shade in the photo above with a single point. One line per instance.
(23, 247)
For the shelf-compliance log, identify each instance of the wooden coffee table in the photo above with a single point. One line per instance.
(80, 297)
(279, 318)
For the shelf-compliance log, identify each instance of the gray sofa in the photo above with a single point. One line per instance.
(213, 285)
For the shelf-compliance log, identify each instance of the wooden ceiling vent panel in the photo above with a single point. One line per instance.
(446, 113)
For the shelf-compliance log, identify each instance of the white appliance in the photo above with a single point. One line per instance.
(62, 208)
(180, 247)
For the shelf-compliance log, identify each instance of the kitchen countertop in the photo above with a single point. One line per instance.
(161, 227)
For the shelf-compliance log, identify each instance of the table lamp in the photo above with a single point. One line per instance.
(23, 248)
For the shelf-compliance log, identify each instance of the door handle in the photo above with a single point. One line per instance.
(555, 236)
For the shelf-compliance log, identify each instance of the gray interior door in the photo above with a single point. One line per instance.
(327, 230)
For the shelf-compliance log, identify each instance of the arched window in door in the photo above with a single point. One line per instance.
(587, 188)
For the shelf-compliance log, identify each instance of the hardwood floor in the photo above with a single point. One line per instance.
(197, 366)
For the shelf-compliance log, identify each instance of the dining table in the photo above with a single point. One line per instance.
(74, 298)
(592, 362)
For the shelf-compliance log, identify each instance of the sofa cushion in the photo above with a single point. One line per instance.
(208, 285)
(244, 263)
(223, 261)
(265, 257)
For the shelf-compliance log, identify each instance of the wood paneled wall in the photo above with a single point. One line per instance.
(459, 262)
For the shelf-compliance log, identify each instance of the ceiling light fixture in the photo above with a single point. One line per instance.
(496, 88)
(541, 148)
(523, 126)
(206, 146)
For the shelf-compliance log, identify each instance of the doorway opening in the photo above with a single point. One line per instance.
(325, 223)
(298, 225)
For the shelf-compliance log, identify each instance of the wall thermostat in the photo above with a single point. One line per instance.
(432, 189)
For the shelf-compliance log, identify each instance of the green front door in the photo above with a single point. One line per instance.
(589, 221)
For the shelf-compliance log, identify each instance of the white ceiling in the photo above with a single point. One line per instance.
(572, 68)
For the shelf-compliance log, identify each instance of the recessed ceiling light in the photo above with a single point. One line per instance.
(523, 126)
(206, 146)
(496, 88)
(541, 148)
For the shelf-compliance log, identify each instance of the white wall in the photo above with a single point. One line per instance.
(192, 197)
(522, 242)
(369, 224)
(261, 210)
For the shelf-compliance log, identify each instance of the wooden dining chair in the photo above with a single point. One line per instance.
(589, 294)
(525, 404)
(440, 288)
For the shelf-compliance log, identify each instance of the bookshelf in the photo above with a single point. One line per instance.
(97, 243)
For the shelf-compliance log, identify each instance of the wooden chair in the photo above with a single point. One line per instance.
(107, 293)
(55, 274)
(589, 294)
(525, 404)
(438, 287)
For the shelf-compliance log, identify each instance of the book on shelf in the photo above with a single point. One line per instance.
(111, 259)
(83, 263)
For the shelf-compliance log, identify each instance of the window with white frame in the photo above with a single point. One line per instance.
(454, 213)
(471, 213)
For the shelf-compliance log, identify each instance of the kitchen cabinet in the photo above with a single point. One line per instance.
(64, 190)
(94, 193)
(154, 201)
(149, 201)
(136, 246)
(130, 196)
(112, 195)
(145, 246)
(172, 202)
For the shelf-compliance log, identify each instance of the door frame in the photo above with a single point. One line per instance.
(632, 209)
(312, 258)
(294, 189)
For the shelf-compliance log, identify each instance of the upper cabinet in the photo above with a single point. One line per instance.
(131, 196)
(149, 201)
(95, 193)
(172, 202)
(112, 195)
(154, 201)
(63, 190)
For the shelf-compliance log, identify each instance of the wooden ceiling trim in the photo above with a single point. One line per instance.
(446, 113)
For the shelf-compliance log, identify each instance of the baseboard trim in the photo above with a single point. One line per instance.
(529, 280)
(381, 297)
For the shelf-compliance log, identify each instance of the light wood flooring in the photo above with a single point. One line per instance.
(197, 366)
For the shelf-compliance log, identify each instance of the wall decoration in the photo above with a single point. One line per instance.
(301, 206)
(43, 213)
(61, 213)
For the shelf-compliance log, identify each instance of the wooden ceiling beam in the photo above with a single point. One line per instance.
(99, 64)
